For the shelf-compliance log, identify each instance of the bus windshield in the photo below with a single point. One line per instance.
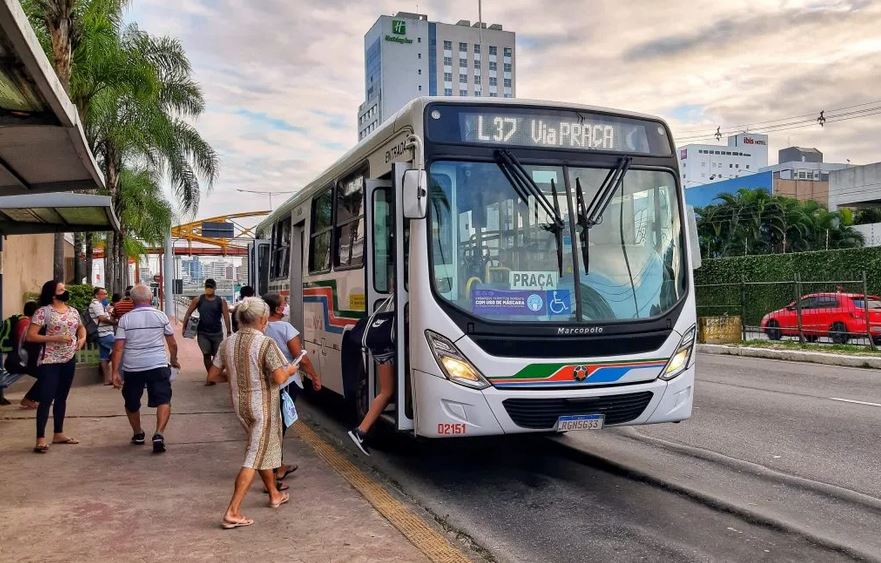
(495, 248)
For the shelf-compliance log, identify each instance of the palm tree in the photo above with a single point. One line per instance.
(756, 222)
(130, 123)
(136, 98)
(72, 32)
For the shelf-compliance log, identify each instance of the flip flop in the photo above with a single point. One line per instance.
(288, 470)
(284, 499)
(279, 486)
(41, 449)
(227, 525)
(67, 441)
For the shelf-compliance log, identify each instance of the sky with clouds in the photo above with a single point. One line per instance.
(283, 79)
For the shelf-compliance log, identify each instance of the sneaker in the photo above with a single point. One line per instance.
(158, 443)
(138, 439)
(359, 437)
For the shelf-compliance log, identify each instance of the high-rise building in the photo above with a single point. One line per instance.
(407, 56)
(745, 154)
(192, 269)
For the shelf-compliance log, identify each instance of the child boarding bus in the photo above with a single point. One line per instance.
(540, 256)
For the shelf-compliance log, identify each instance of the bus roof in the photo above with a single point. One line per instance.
(410, 113)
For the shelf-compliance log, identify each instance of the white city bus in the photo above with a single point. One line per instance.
(539, 255)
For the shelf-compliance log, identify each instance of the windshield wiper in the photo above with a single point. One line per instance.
(591, 215)
(525, 186)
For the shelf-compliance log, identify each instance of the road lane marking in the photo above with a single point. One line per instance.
(856, 402)
(425, 538)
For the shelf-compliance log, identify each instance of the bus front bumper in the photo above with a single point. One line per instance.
(446, 409)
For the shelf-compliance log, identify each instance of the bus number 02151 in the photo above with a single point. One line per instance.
(446, 429)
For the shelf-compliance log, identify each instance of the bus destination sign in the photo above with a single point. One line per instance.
(539, 131)
(550, 128)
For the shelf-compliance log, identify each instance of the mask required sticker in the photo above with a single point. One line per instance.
(525, 303)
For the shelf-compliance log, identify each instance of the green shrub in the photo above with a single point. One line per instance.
(720, 289)
(80, 296)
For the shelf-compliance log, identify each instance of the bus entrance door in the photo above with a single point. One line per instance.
(258, 272)
(383, 263)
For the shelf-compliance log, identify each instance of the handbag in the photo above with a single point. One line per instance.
(191, 328)
(288, 409)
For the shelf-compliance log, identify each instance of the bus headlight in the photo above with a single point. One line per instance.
(682, 358)
(453, 363)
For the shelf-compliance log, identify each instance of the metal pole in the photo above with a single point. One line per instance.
(866, 310)
(168, 258)
(801, 335)
(743, 309)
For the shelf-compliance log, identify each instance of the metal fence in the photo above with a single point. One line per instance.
(822, 311)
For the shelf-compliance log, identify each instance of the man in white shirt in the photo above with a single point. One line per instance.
(99, 314)
(141, 339)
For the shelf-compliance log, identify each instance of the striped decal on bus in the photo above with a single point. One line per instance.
(335, 319)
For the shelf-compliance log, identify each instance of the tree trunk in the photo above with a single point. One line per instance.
(58, 258)
(90, 251)
(58, 21)
(78, 258)
(112, 272)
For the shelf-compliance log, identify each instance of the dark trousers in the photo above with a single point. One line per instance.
(33, 393)
(55, 381)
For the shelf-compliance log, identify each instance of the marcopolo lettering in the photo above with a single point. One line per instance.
(571, 331)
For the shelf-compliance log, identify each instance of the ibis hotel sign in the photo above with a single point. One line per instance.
(399, 33)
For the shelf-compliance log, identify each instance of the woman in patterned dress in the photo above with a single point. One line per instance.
(255, 368)
(57, 327)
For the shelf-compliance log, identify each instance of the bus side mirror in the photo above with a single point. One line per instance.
(693, 239)
(415, 194)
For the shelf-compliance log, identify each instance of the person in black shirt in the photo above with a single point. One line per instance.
(209, 333)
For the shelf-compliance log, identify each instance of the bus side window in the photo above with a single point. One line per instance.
(383, 229)
(349, 218)
(321, 230)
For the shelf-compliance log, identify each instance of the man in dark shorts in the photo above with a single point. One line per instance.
(139, 350)
(209, 333)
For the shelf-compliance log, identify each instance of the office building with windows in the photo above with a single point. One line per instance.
(744, 154)
(407, 56)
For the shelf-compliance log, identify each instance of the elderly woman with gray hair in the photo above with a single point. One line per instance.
(255, 368)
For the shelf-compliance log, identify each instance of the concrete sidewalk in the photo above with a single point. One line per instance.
(809, 356)
(105, 499)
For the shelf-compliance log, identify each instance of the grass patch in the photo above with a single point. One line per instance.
(849, 349)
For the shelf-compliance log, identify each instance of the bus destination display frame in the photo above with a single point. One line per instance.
(546, 128)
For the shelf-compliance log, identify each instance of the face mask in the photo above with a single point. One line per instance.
(63, 297)
(105, 302)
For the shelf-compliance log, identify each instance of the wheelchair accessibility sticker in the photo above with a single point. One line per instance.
(528, 303)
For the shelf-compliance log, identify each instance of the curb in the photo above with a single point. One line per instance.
(840, 360)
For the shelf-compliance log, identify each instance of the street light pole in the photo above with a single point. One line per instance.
(269, 193)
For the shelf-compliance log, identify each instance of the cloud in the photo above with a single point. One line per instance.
(283, 80)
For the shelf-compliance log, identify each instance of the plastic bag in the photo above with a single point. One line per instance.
(288, 409)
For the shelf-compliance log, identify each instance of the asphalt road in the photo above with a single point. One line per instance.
(803, 419)
(771, 467)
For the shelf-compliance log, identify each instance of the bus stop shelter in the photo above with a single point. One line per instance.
(44, 156)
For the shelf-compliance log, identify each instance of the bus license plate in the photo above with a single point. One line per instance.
(580, 422)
